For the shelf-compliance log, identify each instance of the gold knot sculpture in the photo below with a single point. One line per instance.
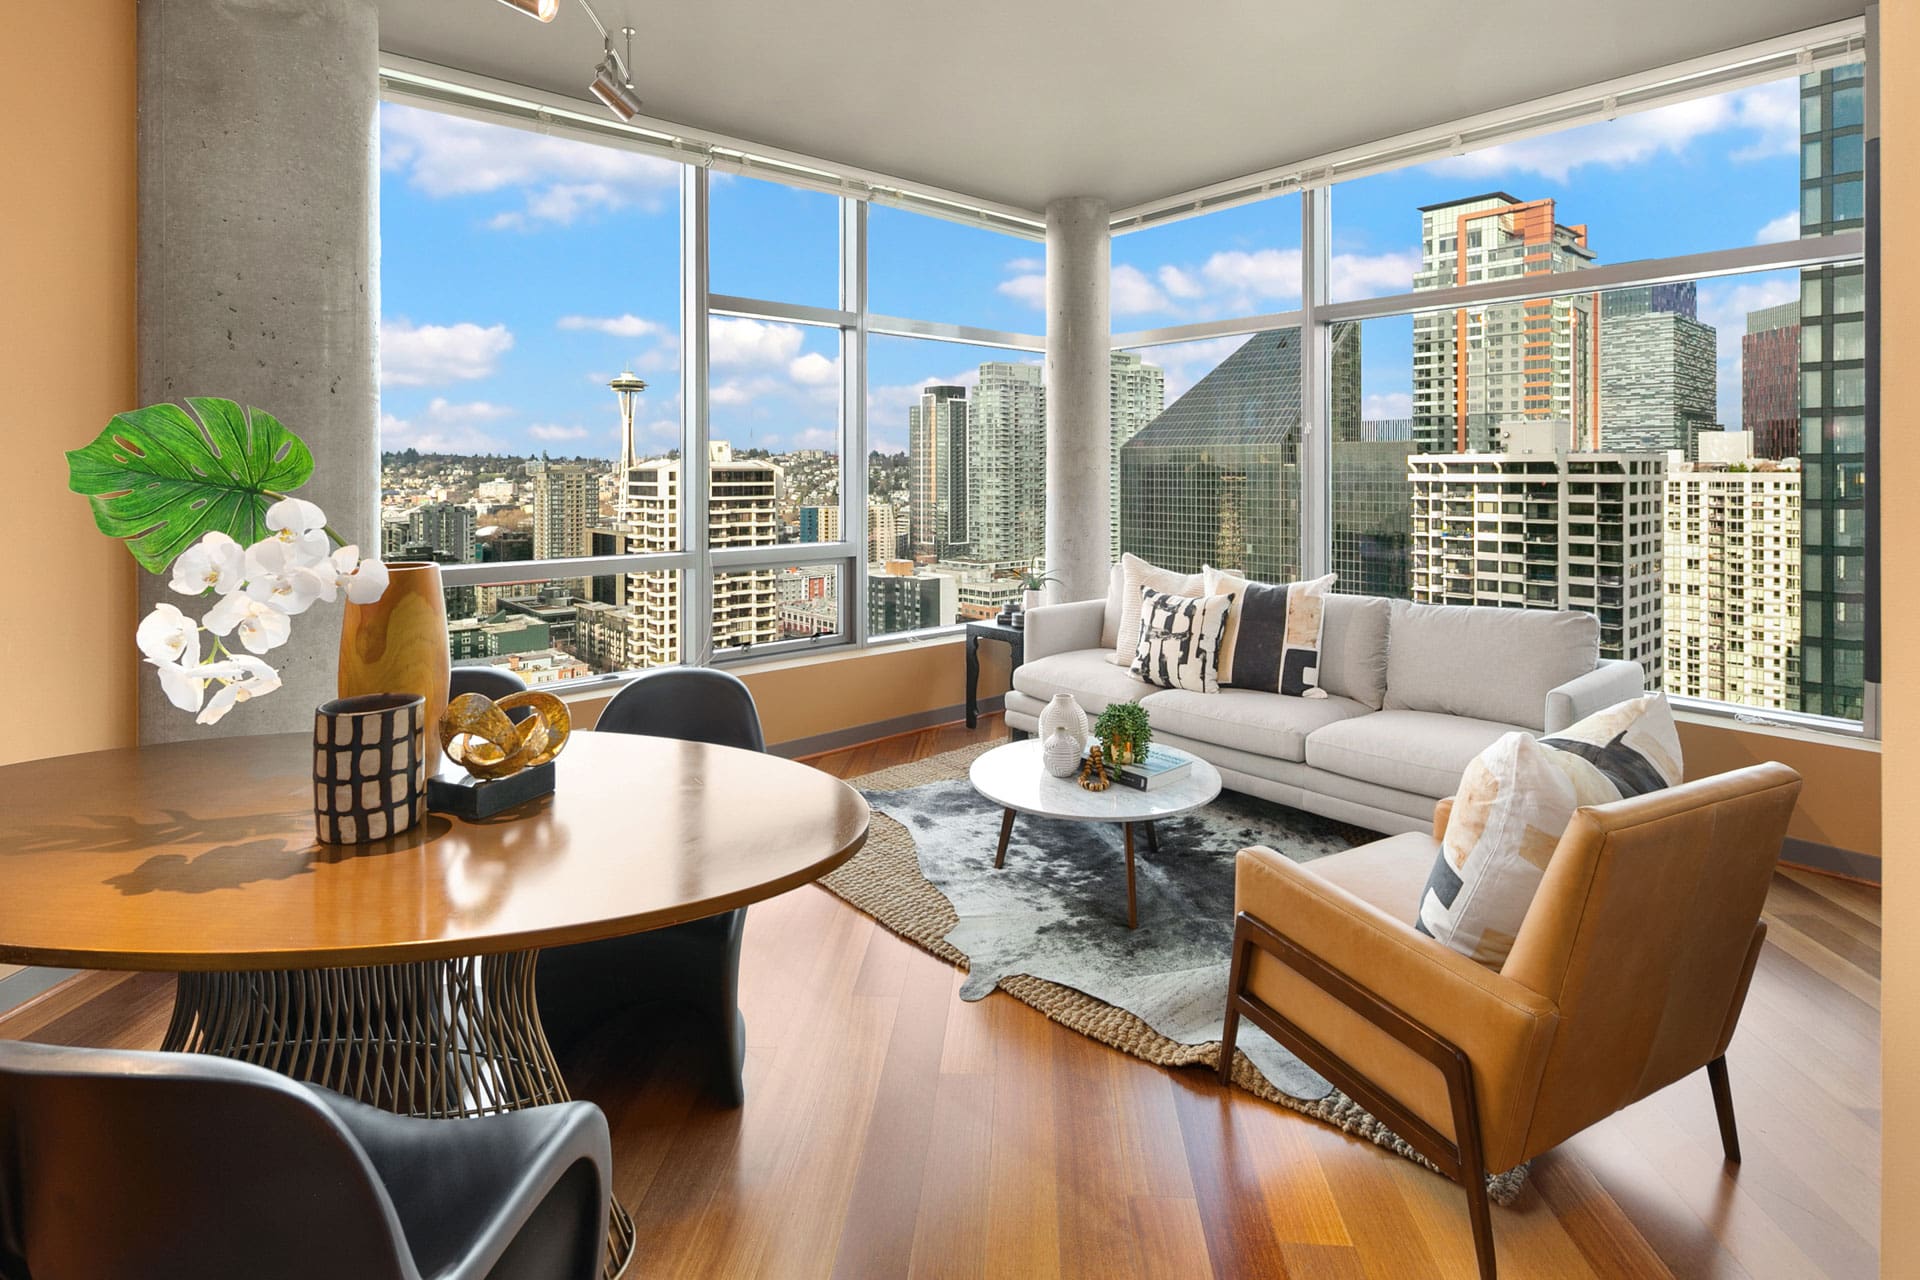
(479, 736)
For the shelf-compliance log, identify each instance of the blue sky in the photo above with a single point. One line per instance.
(520, 272)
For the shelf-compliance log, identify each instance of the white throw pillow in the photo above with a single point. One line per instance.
(1514, 804)
(1180, 640)
(1136, 574)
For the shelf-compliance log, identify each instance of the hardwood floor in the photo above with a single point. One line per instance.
(892, 1130)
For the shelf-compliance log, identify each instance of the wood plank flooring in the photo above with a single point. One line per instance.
(893, 1130)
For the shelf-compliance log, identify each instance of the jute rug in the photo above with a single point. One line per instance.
(886, 881)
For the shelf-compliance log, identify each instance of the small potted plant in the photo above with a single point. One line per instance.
(1124, 732)
(1032, 583)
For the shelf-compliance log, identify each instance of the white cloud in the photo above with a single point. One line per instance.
(446, 427)
(621, 326)
(1387, 404)
(1765, 119)
(734, 342)
(561, 180)
(554, 432)
(425, 355)
(1180, 284)
(1360, 275)
(1132, 292)
(1029, 288)
(1780, 229)
(1026, 265)
(814, 370)
(1262, 273)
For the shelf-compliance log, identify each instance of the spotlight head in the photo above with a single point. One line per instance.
(544, 10)
(611, 88)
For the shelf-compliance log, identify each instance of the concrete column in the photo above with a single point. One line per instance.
(259, 269)
(1079, 443)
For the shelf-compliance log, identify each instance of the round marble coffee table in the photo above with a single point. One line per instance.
(1012, 777)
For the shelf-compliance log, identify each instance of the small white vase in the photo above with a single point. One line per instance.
(1030, 599)
(1064, 712)
(1061, 753)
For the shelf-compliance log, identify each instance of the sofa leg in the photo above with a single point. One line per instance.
(1236, 977)
(1723, 1107)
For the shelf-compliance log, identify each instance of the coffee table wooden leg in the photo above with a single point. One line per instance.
(1006, 829)
(1153, 838)
(1133, 919)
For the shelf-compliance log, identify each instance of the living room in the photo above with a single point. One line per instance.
(1274, 740)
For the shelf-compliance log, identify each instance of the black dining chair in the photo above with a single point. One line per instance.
(697, 964)
(118, 1163)
(494, 682)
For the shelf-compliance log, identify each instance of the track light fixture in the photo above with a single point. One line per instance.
(613, 79)
(544, 10)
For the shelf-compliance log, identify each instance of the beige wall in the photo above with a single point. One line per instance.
(1840, 798)
(66, 366)
(1899, 624)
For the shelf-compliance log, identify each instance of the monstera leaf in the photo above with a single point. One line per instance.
(160, 480)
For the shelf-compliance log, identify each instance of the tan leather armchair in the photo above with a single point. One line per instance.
(1628, 973)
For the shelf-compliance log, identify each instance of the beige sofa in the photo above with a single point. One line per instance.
(1415, 692)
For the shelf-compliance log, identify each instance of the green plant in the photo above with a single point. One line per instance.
(1124, 731)
(1030, 579)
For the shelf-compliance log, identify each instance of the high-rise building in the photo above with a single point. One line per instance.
(1372, 517)
(809, 597)
(1007, 464)
(1541, 524)
(742, 511)
(1215, 478)
(565, 506)
(1833, 400)
(1659, 377)
(883, 531)
(902, 596)
(443, 528)
(820, 524)
(1478, 368)
(1732, 579)
(1137, 392)
(1770, 380)
(937, 463)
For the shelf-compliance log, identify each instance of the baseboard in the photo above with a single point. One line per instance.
(1828, 860)
(18, 988)
(840, 739)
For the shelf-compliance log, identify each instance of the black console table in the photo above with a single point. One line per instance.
(1016, 641)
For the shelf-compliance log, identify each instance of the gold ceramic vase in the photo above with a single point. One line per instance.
(398, 644)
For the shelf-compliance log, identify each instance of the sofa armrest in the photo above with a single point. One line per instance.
(1063, 628)
(1503, 1028)
(1614, 680)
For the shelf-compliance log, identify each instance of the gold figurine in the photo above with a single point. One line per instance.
(478, 735)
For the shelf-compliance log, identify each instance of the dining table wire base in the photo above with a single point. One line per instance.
(434, 1038)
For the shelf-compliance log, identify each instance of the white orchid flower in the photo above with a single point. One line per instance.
(215, 563)
(364, 580)
(261, 625)
(301, 526)
(184, 684)
(242, 679)
(277, 575)
(168, 635)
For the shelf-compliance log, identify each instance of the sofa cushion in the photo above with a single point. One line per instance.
(1386, 873)
(1110, 620)
(1086, 674)
(1137, 574)
(1419, 751)
(1487, 663)
(1353, 648)
(1263, 724)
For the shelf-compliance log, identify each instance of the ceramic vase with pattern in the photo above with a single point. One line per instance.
(398, 644)
(1064, 711)
(1060, 753)
(369, 767)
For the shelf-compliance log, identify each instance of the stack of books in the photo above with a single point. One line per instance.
(1161, 768)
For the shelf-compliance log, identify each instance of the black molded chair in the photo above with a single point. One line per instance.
(116, 1163)
(495, 682)
(697, 964)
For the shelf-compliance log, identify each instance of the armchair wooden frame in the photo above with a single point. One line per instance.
(1461, 1159)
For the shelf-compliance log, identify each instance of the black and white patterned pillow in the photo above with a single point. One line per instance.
(1180, 640)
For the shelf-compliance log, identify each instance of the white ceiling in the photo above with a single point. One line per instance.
(1022, 101)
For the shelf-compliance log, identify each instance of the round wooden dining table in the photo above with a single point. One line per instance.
(398, 972)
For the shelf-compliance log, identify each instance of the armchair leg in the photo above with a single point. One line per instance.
(1723, 1107)
(1472, 1165)
(1236, 978)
